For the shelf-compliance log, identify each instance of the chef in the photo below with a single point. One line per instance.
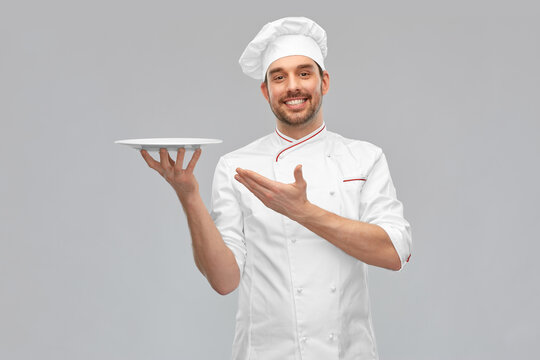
(297, 215)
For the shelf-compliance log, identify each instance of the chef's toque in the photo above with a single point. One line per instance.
(280, 38)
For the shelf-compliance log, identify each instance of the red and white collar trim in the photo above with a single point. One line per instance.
(284, 137)
(294, 142)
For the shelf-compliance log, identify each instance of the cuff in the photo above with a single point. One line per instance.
(400, 244)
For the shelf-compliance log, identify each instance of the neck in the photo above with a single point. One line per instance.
(298, 132)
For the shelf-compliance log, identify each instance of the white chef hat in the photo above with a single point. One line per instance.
(280, 38)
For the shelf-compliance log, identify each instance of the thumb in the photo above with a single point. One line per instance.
(298, 177)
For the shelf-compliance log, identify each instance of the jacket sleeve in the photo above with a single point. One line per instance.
(380, 206)
(227, 213)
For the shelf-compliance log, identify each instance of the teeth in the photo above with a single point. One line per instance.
(295, 102)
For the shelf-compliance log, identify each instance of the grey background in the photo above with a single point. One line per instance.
(95, 255)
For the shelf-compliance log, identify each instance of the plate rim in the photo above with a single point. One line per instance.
(156, 141)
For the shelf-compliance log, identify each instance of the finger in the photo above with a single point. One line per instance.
(298, 176)
(257, 178)
(151, 162)
(180, 159)
(164, 158)
(255, 187)
(194, 158)
(171, 161)
(256, 190)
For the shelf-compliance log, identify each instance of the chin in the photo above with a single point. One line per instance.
(296, 122)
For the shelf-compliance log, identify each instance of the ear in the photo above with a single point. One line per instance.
(264, 91)
(325, 82)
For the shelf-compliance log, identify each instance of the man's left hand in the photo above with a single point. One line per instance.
(287, 199)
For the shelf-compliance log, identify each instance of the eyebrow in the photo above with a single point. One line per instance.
(302, 66)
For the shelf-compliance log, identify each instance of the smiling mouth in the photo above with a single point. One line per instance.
(295, 101)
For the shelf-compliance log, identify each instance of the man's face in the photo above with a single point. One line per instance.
(295, 89)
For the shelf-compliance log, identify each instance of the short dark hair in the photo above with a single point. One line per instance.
(318, 66)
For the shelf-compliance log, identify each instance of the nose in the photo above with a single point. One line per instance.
(293, 83)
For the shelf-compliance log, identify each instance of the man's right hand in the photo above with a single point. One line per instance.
(182, 180)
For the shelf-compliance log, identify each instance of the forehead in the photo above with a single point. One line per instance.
(291, 62)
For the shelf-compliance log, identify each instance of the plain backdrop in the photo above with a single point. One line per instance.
(95, 253)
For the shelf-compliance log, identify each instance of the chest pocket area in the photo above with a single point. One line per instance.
(351, 189)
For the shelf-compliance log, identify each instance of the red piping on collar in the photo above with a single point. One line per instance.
(282, 137)
(298, 143)
(354, 180)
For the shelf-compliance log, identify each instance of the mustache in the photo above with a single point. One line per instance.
(295, 94)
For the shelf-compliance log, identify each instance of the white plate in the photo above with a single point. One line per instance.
(168, 143)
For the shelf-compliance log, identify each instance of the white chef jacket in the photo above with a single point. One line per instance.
(301, 297)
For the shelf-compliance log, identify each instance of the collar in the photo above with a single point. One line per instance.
(283, 139)
(288, 143)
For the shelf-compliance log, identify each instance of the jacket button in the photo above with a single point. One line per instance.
(332, 192)
(331, 336)
(299, 290)
(332, 288)
(303, 339)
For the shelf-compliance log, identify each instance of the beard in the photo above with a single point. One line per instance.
(301, 118)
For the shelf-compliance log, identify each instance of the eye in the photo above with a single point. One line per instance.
(304, 74)
(279, 77)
